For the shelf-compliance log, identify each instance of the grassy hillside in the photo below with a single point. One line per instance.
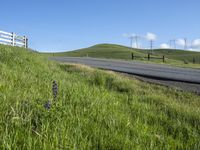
(182, 55)
(104, 51)
(122, 52)
(94, 109)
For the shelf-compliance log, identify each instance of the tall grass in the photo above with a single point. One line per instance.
(93, 109)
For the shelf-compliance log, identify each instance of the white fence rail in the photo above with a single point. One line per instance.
(13, 39)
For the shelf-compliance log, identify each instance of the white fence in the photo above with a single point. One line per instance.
(13, 39)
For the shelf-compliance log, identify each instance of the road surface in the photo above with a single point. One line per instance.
(184, 78)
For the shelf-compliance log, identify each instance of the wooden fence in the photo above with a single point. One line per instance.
(13, 39)
(149, 57)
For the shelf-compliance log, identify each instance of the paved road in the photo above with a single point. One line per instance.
(188, 77)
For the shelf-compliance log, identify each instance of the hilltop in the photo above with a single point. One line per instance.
(93, 109)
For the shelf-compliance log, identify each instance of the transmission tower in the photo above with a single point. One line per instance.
(131, 38)
(173, 44)
(136, 41)
(134, 37)
(174, 41)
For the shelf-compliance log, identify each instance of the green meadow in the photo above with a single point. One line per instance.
(93, 109)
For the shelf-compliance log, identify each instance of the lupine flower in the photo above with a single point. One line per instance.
(47, 105)
(55, 89)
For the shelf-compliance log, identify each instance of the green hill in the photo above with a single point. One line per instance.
(122, 52)
(93, 109)
(104, 51)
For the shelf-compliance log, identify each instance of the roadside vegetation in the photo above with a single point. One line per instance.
(173, 57)
(93, 109)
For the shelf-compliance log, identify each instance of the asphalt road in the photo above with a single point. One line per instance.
(183, 78)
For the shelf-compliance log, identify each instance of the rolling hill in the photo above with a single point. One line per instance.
(122, 52)
(104, 51)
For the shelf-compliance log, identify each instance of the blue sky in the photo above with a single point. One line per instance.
(72, 24)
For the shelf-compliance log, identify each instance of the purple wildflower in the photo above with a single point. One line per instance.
(47, 105)
(55, 89)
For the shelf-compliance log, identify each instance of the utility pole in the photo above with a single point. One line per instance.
(170, 43)
(151, 46)
(174, 44)
(185, 47)
(136, 41)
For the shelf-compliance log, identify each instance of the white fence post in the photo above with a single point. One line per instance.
(13, 39)
(24, 41)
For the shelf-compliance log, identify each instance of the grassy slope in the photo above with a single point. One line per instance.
(104, 51)
(94, 109)
(121, 52)
(182, 55)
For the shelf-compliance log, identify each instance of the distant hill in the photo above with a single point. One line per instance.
(123, 52)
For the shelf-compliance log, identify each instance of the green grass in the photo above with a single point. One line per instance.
(182, 55)
(173, 57)
(94, 109)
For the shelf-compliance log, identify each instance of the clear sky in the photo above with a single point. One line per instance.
(71, 24)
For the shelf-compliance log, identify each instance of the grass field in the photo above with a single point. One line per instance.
(174, 57)
(94, 109)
